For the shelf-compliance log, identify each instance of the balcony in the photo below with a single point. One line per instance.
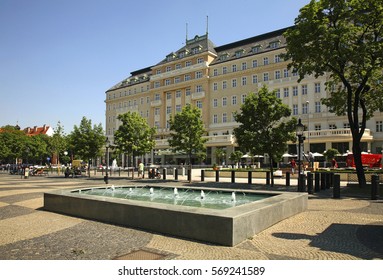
(198, 95)
(336, 134)
(155, 103)
(179, 72)
(212, 141)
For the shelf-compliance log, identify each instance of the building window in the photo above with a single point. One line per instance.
(187, 77)
(157, 111)
(318, 127)
(198, 88)
(167, 82)
(277, 58)
(286, 92)
(234, 83)
(199, 104)
(265, 61)
(305, 108)
(168, 110)
(317, 87)
(255, 79)
(265, 77)
(379, 126)
(243, 98)
(234, 100)
(295, 90)
(317, 107)
(255, 63)
(215, 72)
(224, 101)
(158, 71)
(157, 84)
(178, 94)
(278, 93)
(295, 72)
(224, 84)
(215, 118)
(224, 117)
(332, 126)
(187, 92)
(295, 109)
(277, 74)
(285, 73)
(304, 89)
(168, 95)
(274, 45)
(215, 86)
(244, 81)
(198, 75)
(157, 97)
(256, 49)
(177, 80)
(188, 63)
(346, 125)
(168, 68)
(215, 102)
(178, 66)
(224, 70)
(244, 65)
(234, 68)
(200, 60)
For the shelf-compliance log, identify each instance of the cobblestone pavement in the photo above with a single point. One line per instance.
(342, 229)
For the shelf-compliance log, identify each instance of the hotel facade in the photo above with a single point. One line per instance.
(217, 80)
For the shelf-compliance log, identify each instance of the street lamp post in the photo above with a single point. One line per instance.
(299, 132)
(106, 177)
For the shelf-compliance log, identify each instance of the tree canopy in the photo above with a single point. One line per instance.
(265, 125)
(134, 136)
(186, 133)
(342, 39)
(86, 140)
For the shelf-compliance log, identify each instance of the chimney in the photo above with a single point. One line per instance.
(35, 128)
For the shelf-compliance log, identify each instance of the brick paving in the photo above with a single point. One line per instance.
(331, 229)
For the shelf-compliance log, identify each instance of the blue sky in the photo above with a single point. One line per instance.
(58, 57)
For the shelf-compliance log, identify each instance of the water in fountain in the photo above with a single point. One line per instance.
(177, 196)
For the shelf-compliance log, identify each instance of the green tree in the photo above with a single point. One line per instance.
(13, 144)
(236, 156)
(38, 148)
(58, 142)
(86, 141)
(186, 133)
(343, 39)
(134, 136)
(330, 154)
(220, 155)
(265, 126)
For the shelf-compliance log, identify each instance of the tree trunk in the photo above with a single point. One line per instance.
(272, 171)
(357, 153)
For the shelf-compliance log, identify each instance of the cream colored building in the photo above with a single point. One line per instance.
(217, 80)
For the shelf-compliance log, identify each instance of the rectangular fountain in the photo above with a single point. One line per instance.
(223, 225)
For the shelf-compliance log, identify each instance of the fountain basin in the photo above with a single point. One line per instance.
(220, 226)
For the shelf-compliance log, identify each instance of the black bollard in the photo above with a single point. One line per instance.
(323, 181)
(332, 180)
(328, 180)
(233, 176)
(310, 188)
(202, 175)
(176, 174)
(374, 187)
(287, 179)
(336, 186)
(268, 178)
(249, 177)
(217, 175)
(164, 173)
(301, 183)
(317, 182)
(189, 175)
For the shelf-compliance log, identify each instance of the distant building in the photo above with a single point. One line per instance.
(36, 130)
(217, 80)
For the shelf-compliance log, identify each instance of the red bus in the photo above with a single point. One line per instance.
(368, 160)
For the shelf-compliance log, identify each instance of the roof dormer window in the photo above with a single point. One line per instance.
(239, 53)
(274, 44)
(256, 49)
